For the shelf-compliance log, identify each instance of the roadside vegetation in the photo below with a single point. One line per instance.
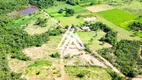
(126, 56)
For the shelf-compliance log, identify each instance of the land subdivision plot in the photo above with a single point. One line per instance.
(99, 8)
(32, 29)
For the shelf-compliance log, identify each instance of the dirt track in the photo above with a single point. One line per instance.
(109, 64)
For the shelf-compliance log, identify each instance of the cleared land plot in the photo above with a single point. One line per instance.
(45, 50)
(89, 73)
(99, 8)
(118, 17)
(95, 44)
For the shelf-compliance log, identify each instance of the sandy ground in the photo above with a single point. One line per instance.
(99, 8)
(90, 19)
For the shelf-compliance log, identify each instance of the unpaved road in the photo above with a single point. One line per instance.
(109, 64)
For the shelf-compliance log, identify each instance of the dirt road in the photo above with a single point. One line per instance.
(109, 64)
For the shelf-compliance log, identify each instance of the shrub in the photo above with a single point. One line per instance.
(60, 11)
(80, 75)
(56, 55)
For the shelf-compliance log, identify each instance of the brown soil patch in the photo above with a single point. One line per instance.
(99, 8)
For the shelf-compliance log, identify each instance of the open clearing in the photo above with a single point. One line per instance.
(99, 8)
(95, 44)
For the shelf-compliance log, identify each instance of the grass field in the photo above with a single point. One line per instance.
(95, 44)
(91, 73)
(122, 33)
(53, 11)
(118, 17)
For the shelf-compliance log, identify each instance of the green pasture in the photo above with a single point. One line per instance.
(53, 11)
(122, 33)
(95, 44)
(118, 17)
(70, 20)
(92, 73)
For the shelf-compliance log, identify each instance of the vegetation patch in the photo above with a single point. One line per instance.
(85, 73)
(40, 63)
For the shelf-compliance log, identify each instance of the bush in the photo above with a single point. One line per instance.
(80, 75)
(56, 55)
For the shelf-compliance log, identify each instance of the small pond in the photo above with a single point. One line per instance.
(28, 10)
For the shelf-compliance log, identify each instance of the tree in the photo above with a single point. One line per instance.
(69, 12)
